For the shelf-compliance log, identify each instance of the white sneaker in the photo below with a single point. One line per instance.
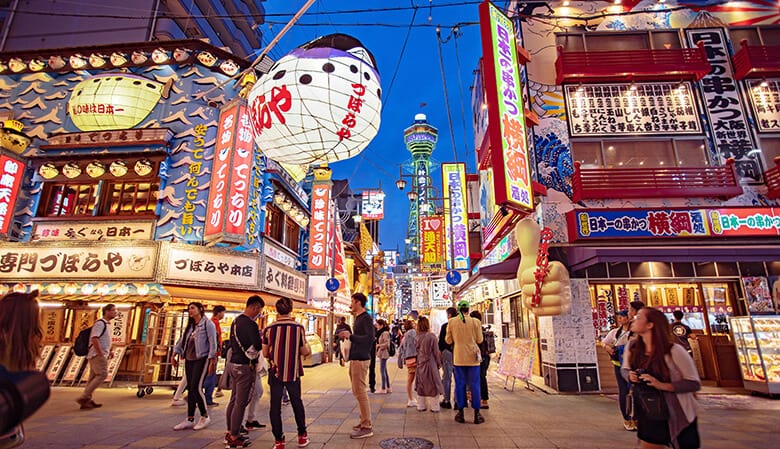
(381, 391)
(202, 423)
(186, 424)
(178, 402)
(411, 403)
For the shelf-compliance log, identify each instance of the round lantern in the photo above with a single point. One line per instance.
(319, 103)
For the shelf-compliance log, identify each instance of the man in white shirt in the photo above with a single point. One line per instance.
(99, 353)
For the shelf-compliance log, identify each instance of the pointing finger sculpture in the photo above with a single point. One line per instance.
(545, 285)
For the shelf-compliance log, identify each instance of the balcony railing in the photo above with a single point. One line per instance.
(631, 65)
(756, 61)
(679, 182)
(772, 178)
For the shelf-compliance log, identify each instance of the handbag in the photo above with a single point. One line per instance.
(647, 402)
(251, 353)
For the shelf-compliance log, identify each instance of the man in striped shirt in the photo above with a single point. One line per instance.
(284, 343)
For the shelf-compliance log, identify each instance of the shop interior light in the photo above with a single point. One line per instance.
(401, 184)
(566, 3)
(49, 304)
(118, 59)
(412, 195)
(764, 83)
(97, 305)
(357, 218)
(681, 86)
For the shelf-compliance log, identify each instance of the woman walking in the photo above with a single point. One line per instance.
(428, 382)
(383, 353)
(198, 347)
(661, 372)
(408, 352)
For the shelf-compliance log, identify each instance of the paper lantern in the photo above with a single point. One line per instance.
(319, 103)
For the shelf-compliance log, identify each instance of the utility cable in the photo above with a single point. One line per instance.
(456, 33)
(446, 97)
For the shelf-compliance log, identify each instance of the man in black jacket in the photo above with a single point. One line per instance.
(362, 341)
(446, 361)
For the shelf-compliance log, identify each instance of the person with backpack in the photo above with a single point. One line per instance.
(446, 361)
(484, 351)
(465, 334)
(383, 347)
(98, 354)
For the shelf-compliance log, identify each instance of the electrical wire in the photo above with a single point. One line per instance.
(456, 34)
(446, 97)
(400, 56)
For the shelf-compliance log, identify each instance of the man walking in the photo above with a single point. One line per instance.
(210, 382)
(465, 334)
(245, 346)
(98, 355)
(284, 342)
(361, 343)
(446, 360)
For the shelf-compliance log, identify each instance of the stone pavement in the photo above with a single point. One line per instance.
(519, 419)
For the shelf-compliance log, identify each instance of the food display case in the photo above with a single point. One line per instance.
(758, 348)
(317, 350)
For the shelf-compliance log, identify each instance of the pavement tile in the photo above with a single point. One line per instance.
(153, 442)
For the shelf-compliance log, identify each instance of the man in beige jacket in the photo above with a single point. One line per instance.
(465, 334)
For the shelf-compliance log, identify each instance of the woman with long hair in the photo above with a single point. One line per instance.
(653, 362)
(428, 382)
(20, 331)
(408, 352)
(198, 347)
(383, 353)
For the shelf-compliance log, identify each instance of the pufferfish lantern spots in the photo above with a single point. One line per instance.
(319, 103)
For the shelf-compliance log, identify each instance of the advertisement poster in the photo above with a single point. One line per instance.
(517, 358)
(757, 295)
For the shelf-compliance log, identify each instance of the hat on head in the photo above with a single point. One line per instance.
(463, 303)
(623, 313)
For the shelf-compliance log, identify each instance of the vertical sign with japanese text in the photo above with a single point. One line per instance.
(509, 152)
(456, 221)
(431, 242)
(220, 173)
(241, 175)
(11, 173)
(765, 99)
(318, 227)
(723, 103)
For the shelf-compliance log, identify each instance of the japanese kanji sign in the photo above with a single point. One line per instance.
(283, 280)
(508, 139)
(26, 262)
(90, 230)
(201, 266)
(431, 242)
(440, 294)
(722, 101)
(11, 174)
(639, 108)
(319, 227)
(673, 223)
(227, 205)
(372, 205)
(765, 99)
(456, 221)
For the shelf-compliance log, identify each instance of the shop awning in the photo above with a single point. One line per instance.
(506, 269)
(584, 256)
(213, 296)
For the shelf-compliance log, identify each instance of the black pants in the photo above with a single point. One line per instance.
(483, 369)
(195, 370)
(277, 388)
(372, 371)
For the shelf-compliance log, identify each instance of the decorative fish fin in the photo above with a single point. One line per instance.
(166, 90)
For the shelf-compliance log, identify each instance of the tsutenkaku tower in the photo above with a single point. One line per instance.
(420, 139)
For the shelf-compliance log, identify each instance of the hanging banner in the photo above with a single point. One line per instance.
(432, 245)
(420, 300)
(631, 109)
(319, 227)
(723, 103)
(11, 174)
(457, 219)
(372, 206)
(765, 99)
(440, 294)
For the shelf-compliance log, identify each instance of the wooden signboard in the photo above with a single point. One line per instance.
(43, 360)
(51, 324)
(60, 357)
(113, 364)
(72, 371)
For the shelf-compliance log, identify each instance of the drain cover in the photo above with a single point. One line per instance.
(406, 443)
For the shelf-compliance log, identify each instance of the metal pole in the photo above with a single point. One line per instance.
(332, 295)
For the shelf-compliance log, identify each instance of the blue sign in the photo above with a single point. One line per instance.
(332, 284)
(453, 277)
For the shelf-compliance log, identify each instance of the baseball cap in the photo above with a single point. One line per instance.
(622, 313)
(463, 303)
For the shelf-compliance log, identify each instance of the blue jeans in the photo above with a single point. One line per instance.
(383, 373)
(622, 392)
(467, 375)
(446, 373)
(209, 384)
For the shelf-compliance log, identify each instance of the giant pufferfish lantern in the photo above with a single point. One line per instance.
(320, 103)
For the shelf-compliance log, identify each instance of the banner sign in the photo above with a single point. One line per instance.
(765, 99)
(727, 118)
(420, 300)
(26, 261)
(283, 280)
(201, 266)
(508, 139)
(319, 227)
(456, 221)
(372, 206)
(673, 223)
(279, 254)
(93, 231)
(440, 294)
(11, 174)
(638, 108)
(432, 242)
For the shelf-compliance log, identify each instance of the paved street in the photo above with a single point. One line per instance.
(519, 419)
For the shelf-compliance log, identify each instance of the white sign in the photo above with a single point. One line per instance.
(24, 262)
(201, 266)
(420, 300)
(278, 254)
(282, 280)
(43, 360)
(440, 294)
(372, 205)
(83, 231)
(119, 327)
(113, 363)
(74, 366)
(765, 99)
(729, 123)
(638, 108)
(58, 362)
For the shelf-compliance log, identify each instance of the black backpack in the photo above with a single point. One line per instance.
(391, 348)
(81, 346)
(490, 341)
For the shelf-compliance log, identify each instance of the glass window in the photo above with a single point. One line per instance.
(274, 223)
(770, 146)
(665, 40)
(588, 154)
(638, 154)
(132, 198)
(617, 42)
(750, 34)
(691, 153)
(770, 35)
(570, 42)
(69, 200)
(291, 234)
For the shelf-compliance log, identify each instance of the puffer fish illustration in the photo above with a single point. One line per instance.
(114, 101)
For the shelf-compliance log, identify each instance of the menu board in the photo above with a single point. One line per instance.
(757, 295)
(517, 357)
(56, 366)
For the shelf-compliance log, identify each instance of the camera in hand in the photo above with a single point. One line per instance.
(21, 394)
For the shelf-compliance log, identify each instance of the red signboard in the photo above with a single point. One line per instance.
(432, 250)
(241, 175)
(318, 227)
(220, 173)
(11, 173)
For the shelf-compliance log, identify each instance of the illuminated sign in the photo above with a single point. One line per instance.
(509, 143)
(318, 227)
(765, 98)
(673, 223)
(90, 230)
(320, 103)
(373, 205)
(114, 101)
(440, 294)
(283, 280)
(188, 264)
(231, 175)
(11, 174)
(457, 220)
(432, 245)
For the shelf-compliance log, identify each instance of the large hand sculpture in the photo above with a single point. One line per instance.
(545, 291)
